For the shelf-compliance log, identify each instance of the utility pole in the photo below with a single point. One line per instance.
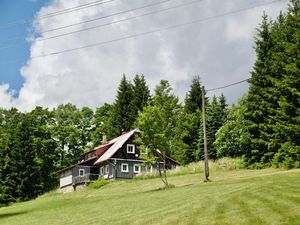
(206, 169)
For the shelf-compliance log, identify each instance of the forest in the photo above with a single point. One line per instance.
(263, 128)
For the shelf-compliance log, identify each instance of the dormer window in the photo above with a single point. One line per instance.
(130, 148)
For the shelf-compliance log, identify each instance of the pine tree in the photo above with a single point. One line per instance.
(141, 94)
(232, 137)
(193, 98)
(260, 101)
(287, 115)
(192, 125)
(216, 117)
(123, 116)
(272, 115)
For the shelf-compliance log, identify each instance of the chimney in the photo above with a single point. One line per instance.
(104, 139)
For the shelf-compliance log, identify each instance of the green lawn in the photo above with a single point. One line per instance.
(265, 197)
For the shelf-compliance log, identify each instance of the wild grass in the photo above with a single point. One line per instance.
(224, 164)
(248, 197)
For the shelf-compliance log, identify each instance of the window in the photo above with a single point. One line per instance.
(130, 148)
(124, 167)
(81, 172)
(102, 170)
(107, 169)
(136, 168)
(149, 169)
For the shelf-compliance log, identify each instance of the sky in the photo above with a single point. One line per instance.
(218, 46)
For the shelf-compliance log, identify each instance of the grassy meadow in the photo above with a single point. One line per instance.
(234, 196)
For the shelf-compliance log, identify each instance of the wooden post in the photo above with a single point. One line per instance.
(206, 169)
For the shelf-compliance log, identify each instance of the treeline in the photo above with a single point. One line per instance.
(264, 127)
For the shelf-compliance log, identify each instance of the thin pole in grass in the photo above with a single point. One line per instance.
(206, 168)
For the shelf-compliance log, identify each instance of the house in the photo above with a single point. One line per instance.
(119, 158)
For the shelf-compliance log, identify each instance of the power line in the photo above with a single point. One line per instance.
(106, 16)
(56, 13)
(149, 32)
(229, 85)
(87, 21)
(75, 8)
(122, 20)
(106, 24)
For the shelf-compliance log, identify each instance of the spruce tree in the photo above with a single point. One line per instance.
(192, 125)
(260, 101)
(193, 98)
(216, 117)
(287, 115)
(272, 115)
(141, 94)
(123, 116)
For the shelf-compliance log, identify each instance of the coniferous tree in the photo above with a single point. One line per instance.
(141, 94)
(259, 102)
(8, 171)
(287, 116)
(272, 115)
(232, 137)
(193, 100)
(123, 117)
(191, 125)
(216, 116)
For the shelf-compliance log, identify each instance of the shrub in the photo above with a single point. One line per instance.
(288, 156)
(98, 184)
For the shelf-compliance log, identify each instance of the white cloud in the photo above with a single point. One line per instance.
(220, 51)
(6, 99)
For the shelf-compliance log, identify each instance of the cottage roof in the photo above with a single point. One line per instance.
(117, 144)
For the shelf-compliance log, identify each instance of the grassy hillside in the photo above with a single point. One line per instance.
(266, 196)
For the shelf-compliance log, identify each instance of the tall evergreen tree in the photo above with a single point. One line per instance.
(216, 116)
(272, 114)
(258, 115)
(193, 100)
(141, 94)
(191, 126)
(123, 117)
(287, 115)
(8, 171)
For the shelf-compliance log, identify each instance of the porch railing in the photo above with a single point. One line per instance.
(88, 177)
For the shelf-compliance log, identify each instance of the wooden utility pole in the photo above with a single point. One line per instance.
(206, 169)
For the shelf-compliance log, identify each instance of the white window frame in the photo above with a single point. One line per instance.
(101, 170)
(149, 169)
(83, 174)
(107, 169)
(133, 148)
(136, 166)
(124, 171)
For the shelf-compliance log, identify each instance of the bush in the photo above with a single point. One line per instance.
(288, 156)
(98, 184)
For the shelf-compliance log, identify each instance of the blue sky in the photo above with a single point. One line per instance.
(11, 11)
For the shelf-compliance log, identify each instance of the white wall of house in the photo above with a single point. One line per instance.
(64, 181)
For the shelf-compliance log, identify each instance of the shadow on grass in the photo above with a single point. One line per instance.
(6, 215)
